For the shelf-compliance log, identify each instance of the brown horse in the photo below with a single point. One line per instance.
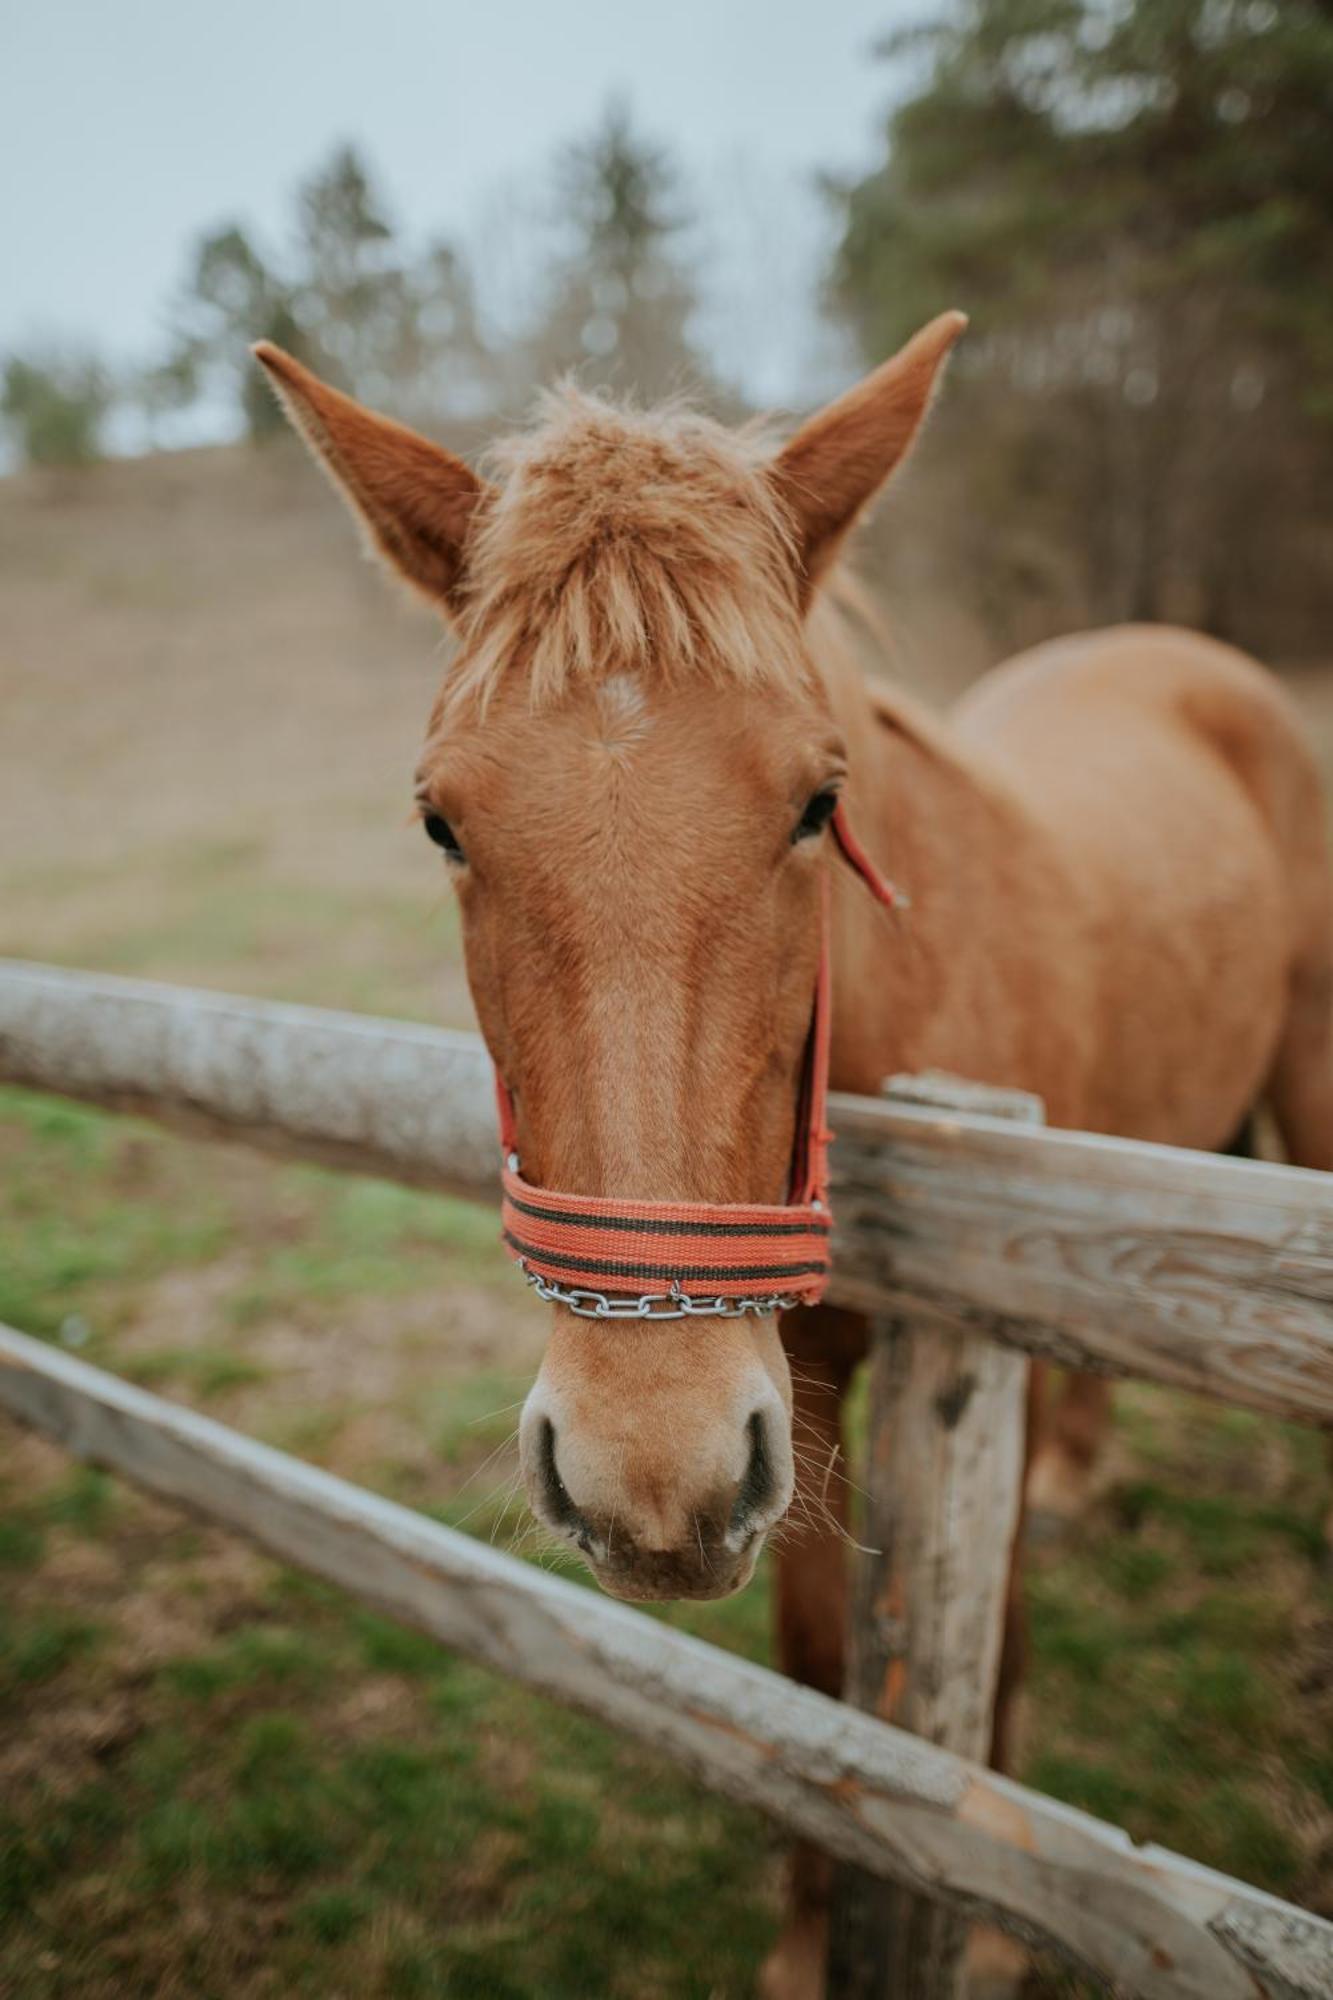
(1119, 899)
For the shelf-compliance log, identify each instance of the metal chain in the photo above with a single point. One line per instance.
(674, 1304)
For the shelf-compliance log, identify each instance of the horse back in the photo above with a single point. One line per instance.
(1171, 776)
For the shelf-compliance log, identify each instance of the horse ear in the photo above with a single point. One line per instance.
(838, 460)
(415, 500)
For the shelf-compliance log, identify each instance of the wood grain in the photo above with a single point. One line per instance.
(1205, 1272)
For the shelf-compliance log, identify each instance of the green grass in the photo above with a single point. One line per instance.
(35, 1649)
(374, 1240)
(474, 1412)
(1178, 1644)
(95, 1208)
(84, 1500)
(209, 1371)
(74, 1223)
(212, 913)
(466, 1838)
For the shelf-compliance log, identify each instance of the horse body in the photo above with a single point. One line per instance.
(1119, 900)
(1115, 859)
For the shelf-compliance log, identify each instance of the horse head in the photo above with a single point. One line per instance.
(631, 770)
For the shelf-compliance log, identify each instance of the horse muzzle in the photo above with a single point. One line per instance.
(661, 1509)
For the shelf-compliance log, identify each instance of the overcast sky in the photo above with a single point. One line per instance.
(126, 126)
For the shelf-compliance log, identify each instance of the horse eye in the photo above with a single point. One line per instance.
(440, 831)
(818, 812)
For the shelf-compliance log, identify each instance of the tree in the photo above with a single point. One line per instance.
(399, 332)
(54, 406)
(350, 286)
(619, 301)
(445, 366)
(233, 298)
(1133, 196)
(163, 389)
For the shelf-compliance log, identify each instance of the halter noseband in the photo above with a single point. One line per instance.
(716, 1260)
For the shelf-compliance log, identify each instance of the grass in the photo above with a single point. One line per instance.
(452, 1835)
(374, 1241)
(1185, 1650)
(35, 1649)
(207, 913)
(208, 1371)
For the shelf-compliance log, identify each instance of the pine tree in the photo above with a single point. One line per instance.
(54, 405)
(233, 297)
(620, 300)
(398, 331)
(351, 289)
(1135, 199)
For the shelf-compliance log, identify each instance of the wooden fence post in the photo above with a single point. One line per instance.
(943, 1475)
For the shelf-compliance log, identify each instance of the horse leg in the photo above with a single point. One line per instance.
(1065, 1458)
(1300, 1086)
(1300, 1094)
(824, 1346)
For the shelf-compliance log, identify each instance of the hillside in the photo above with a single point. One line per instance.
(211, 712)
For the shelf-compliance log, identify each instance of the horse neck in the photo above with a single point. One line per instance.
(950, 834)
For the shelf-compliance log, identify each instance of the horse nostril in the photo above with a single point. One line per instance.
(560, 1509)
(758, 1486)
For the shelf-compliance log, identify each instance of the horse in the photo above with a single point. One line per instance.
(655, 711)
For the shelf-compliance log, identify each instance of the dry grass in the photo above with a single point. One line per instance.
(212, 714)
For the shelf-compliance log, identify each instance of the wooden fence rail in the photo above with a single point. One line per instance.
(1139, 1918)
(1209, 1274)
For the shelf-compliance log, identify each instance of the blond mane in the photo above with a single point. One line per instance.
(624, 541)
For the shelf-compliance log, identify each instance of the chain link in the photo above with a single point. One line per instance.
(675, 1304)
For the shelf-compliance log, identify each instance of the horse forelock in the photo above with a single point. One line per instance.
(627, 542)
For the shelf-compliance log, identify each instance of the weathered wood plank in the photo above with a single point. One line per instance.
(943, 1480)
(1207, 1273)
(382, 1097)
(1137, 1917)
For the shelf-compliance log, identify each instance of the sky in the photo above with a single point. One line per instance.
(127, 126)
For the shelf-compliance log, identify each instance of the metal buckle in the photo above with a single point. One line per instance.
(675, 1304)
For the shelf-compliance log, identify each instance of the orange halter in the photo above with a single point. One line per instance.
(595, 1253)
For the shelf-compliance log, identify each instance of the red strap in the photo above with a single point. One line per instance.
(704, 1250)
(855, 855)
(808, 1181)
(508, 1122)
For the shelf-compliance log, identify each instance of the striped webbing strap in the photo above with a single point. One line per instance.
(695, 1250)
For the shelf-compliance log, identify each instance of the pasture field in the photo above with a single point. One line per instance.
(218, 1778)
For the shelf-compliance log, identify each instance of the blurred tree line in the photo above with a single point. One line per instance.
(405, 331)
(1132, 198)
(401, 328)
(56, 404)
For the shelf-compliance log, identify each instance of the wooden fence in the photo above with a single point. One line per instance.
(973, 1240)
